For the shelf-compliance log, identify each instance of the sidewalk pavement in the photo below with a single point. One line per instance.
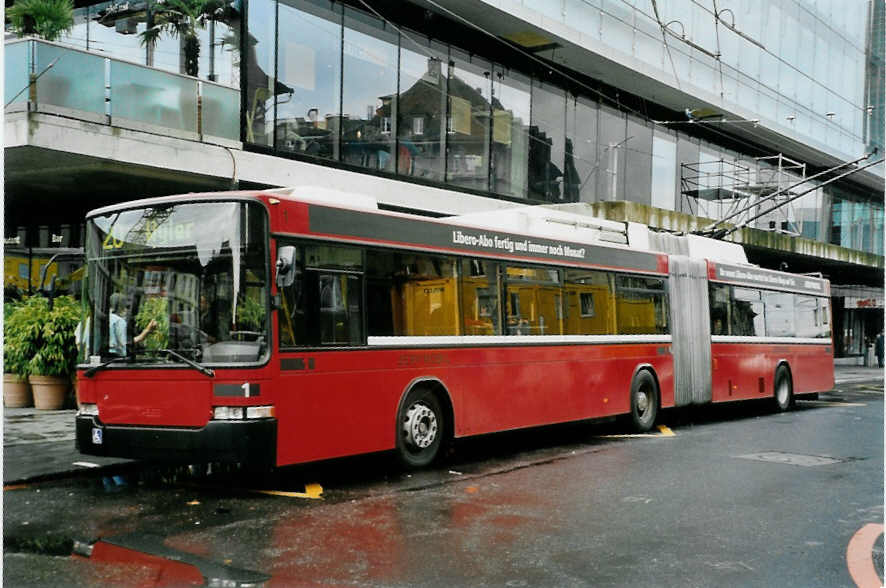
(39, 444)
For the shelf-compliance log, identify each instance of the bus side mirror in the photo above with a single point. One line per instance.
(285, 266)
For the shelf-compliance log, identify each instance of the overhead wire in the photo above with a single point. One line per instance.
(664, 39)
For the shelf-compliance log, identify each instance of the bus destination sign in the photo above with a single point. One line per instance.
(762, 278)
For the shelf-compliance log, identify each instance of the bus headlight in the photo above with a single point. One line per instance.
(259, 412)
(227, 413)
(238, 413)
(88, 409)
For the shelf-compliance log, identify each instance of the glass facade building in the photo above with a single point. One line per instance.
(700, 107)
(328, 81)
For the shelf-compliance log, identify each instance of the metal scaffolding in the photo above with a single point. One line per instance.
(716, 189)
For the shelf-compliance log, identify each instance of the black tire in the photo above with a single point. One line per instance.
(783, 389)
(421, 426)
(644, 401)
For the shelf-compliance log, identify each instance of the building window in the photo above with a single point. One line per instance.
(664, 172)
(467, 148)
(260, 81)
(548, 175)
(418, 125)
(309, 78)
(422, 93)
(369, 89)
(581, 166)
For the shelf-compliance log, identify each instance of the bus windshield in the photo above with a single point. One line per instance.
(187, 278)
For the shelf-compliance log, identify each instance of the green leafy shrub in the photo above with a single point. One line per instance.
(9, 308)
(56, 347)
(41, 341)
(156, 309)
(21, 321)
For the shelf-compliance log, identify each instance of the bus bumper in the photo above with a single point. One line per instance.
(250, 442)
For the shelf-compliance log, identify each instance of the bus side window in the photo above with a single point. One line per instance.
(779, 311)
(291, 314)
(747, 313)
(806, 320)
(341, 301)
(480, 297)
(719, 299)
(641, 305)
(590, 304)
(824, 318)
(533, 299)
(411, 294)
(324, 303)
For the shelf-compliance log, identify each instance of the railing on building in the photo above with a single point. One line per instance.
(47, 77)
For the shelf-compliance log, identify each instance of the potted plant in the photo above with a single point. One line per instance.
(48, 341)
(47, 19)
(16, 356)
(183, 19)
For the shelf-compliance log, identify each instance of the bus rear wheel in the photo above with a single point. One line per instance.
(420, 428)
(784, 389)
(644, 401)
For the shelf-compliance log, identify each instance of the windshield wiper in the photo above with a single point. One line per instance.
(202, 369)
(89, 373)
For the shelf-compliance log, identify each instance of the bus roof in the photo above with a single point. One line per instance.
(555, 222)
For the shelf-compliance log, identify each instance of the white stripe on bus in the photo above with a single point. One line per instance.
(481, 340)
(771, 340)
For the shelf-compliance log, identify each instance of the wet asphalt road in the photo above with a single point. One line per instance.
(737, 496)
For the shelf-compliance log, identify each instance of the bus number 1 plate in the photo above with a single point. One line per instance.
(96, 436)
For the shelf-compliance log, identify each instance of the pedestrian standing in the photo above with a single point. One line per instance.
(878, 349)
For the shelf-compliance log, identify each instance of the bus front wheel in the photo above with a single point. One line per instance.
(644, 401)
(420, 428)
(784, 389)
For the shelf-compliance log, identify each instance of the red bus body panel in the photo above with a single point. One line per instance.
(166, 397)
(744, 371)
(348, 403)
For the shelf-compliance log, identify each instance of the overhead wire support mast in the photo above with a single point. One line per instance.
(726, 232)
(711, 229)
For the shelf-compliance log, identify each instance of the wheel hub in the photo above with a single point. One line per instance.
(642, 402)
(420, 426)
(782, 393)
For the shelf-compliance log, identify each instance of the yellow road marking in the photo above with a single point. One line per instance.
(312, 491)
(664, 431)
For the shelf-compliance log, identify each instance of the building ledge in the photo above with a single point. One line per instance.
(801, 254)
(63, 154)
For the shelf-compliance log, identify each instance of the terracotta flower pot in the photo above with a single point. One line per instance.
(49, 391)
(16, 391)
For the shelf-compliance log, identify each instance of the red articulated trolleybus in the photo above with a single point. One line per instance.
(286, 326)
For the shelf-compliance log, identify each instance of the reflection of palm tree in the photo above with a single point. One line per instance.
(48, 19)
(183, 19)
(257, 85)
